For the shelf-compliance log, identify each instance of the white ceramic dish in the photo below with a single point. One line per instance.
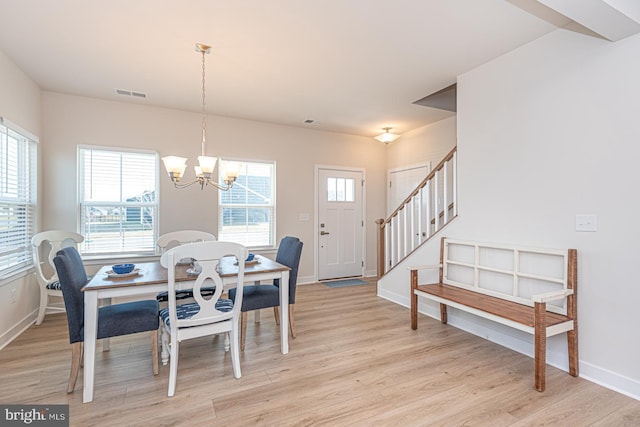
(112, 274)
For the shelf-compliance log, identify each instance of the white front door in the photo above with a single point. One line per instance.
(340, 223)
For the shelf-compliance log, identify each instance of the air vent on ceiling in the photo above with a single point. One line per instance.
(133, 93)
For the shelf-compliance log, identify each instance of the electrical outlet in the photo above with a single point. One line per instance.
(13, 296)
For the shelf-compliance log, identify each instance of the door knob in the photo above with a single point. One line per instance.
(322, 233)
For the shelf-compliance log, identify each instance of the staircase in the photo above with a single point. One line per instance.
(429, 207)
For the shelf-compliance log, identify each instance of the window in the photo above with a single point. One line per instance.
(340, 189)
(18, 167)
(247, 210)
(118, 201)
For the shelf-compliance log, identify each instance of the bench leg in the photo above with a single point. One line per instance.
(572, 340)
(540, 358)
(443, 314)
(414, 300)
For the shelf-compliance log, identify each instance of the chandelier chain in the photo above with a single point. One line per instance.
(204, 106)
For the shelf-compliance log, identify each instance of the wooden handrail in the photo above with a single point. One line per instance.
(402, 227)
(441, 214)
(422, 184)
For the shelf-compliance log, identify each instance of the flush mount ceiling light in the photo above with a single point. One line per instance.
(387, 136)
(176, 166)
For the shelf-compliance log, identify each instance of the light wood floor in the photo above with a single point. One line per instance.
(355, 362)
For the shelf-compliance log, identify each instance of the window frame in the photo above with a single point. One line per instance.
(27, 200)
(272, 206)
(114, 253)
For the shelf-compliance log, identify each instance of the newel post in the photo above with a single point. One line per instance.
(380, 223)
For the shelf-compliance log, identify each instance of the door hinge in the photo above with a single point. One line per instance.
(362, 223)
(363, 263)
(389, 184)
(362, 183)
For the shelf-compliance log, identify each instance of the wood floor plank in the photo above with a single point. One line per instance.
(355, 362)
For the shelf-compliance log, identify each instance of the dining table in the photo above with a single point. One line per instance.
(152, 277)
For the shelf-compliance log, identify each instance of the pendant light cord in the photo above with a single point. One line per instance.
(204, 114)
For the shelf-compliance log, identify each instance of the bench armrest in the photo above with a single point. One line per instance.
(552, 296)
(424, 267)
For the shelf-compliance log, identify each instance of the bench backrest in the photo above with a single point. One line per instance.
(508, 272)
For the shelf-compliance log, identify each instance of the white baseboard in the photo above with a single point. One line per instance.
(306, 280)
(611, 380)
(17, 329)
(588, 371)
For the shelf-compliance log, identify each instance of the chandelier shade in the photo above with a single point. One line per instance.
(387, 136)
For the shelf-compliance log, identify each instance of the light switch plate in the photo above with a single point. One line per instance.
(586, 223)
(304, 217)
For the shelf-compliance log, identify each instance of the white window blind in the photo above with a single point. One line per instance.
(247, 210)
(118, 201)
(18, 168)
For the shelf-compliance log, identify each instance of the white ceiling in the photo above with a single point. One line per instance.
(353, 66)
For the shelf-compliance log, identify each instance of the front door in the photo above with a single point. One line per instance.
(340, 223)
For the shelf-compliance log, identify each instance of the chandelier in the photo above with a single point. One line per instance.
(176, 166)
(387, 136)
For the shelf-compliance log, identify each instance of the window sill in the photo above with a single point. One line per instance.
(115, 259)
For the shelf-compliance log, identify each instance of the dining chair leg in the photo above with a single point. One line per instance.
(173, 366)
(76, 353)
(292, 324)
(44, 301)
(227, 342)
(235, 353)
(164, 337)
(243, 329)
(154, 351)
(276, 313)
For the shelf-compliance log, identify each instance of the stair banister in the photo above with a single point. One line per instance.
(434, 200)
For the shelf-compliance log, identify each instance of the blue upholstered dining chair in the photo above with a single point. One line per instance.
(177, 238)
(113, 320)
(257, 297)
(205, 316)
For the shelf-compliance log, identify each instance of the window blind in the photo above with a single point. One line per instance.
(118, 201)
(18, 168)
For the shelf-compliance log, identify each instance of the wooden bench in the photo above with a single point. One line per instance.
(532, 290)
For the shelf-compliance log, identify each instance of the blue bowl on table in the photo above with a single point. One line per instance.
(123, 268)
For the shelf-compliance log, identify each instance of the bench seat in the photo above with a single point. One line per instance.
(513, 311)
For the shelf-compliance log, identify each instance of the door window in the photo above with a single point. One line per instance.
(340, 189)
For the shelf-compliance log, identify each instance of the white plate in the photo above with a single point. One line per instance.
(134, 272)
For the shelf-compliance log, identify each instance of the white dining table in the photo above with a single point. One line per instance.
(152, 278)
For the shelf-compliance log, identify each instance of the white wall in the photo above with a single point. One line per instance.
(426, 144)
(71, 120)
(20, 102)
(546, 132)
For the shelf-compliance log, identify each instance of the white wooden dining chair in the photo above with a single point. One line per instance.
(181, 237)
(177, 238)
(203, 317)
(44, 246)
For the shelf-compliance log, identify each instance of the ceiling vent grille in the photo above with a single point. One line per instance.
(133, 93)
